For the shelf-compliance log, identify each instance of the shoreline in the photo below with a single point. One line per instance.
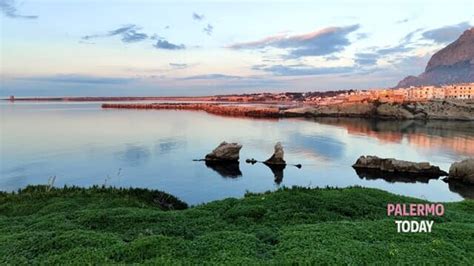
(243, 98)
(429, 110)
(212, 108)
(270, 106)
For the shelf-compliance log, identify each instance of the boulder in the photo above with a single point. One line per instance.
(277, 157)
(397, 166)
(225, 152)
(462, 171)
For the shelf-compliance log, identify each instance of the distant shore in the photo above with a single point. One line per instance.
(108, 99)
(213, 108)
(269, 105)
(429, 110)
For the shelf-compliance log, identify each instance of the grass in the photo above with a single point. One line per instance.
(325, 226)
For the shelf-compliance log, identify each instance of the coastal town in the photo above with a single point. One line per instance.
(464, 91)
(461, 91)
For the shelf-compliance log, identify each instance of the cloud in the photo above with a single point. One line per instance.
(362, 35)
(403, 46)
(371, 56)
(9, 9)
(401, 21)
(178, 66)
(446, 34)
(302, 70)
(131, 33)
(409, 37)
(128, 33)
(133, 36)
(208, 29)
(331, 58)
(78, 79)
(211, 76)
(164, 44)
(366, 59)
(198, 17)
(317, 43)
(394, 49)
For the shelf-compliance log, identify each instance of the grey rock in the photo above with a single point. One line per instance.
(397, 166)
(225, 152)
(277, 157)
(462, 171)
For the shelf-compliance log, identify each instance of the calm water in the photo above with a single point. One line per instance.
(81, 144)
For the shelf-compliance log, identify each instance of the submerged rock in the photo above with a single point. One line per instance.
(397, 166)
(277, 157)
(462, 171)
(225, 152)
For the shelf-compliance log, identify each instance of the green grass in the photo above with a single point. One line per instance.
(323, 226)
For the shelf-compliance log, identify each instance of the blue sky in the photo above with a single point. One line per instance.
(52, 47)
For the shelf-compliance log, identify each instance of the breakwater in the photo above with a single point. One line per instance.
(219, 109)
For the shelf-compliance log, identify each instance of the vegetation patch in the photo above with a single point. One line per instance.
(42, 225)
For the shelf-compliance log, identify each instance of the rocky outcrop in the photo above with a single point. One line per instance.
(436, 110)
(333, 110)
(395, 111)
(277, 157)
(452, 64)
(225, 152)
(397, 166)
(462, 171)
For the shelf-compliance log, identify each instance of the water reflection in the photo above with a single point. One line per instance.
(463, 189)
(82, 144)
(134, 155)
(328, 146)
(228, 169)
(373, 174)
(167, 145)
(455, 136)
(277, 171)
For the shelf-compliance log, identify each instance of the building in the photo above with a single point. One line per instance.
(460, 91)
(421, 93)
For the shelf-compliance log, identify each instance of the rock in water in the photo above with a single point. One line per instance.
(277, 157)
(397, 166)
(225, 152)
(462, 171)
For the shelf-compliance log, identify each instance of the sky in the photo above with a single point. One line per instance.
(166, 48)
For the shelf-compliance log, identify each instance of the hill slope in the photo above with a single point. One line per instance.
(452, 64)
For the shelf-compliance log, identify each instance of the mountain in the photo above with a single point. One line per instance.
(452, 64)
